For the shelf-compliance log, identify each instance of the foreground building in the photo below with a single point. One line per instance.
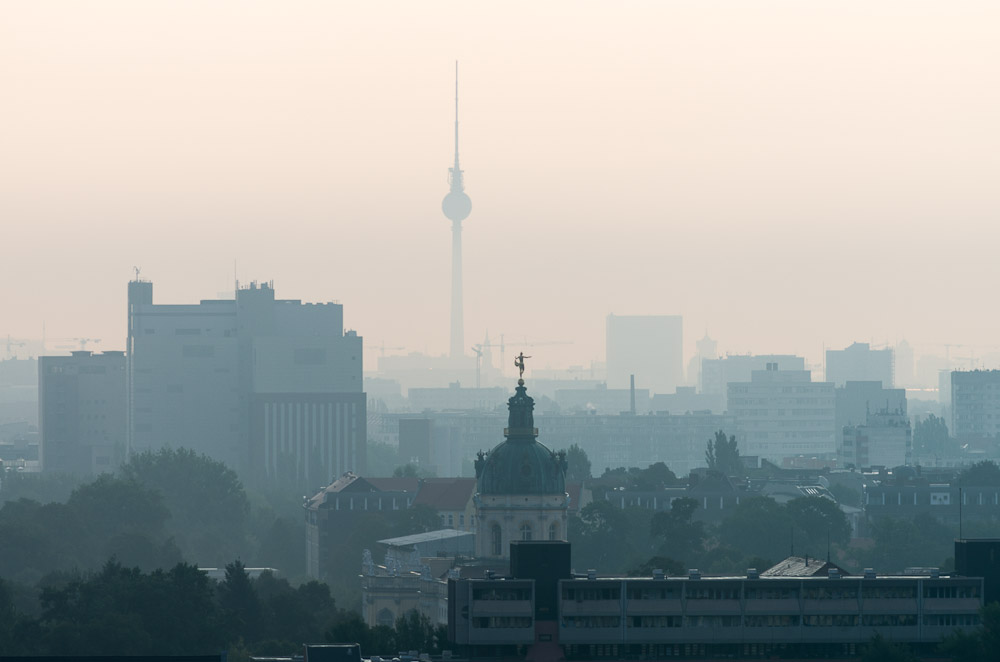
(271, 387)
(546, 611)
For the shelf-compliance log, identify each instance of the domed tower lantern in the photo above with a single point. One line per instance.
(521, 484)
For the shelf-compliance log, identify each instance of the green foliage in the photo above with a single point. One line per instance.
(761, 527)
(41, 487)
(408, 470)
(206, 501)
(108, 517)
(675, 532)
(981, 474)
(610, 538)
(668, 565)
(901, 543)
(930, 437)
(654, 477)
(578, 465)
(881, 650)
(722, 455)
(121, 611)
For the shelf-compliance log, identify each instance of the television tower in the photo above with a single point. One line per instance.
(456, 206)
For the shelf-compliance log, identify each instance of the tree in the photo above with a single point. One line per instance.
(758, 526)
(881, 650)
(723, 456)
(241, 611)
(679, 535)
(981, 474)
(578, 465)
(414, 631)
(817, 521)
(668, 565)
(930, 436)
(654, 477)
(206, 500)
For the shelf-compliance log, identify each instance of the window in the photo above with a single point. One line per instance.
(554, 531)
(385, 617)
(496, 540)
(525, 531)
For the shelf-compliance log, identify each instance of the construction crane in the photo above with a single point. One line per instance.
(381, 347)
(478, 349)
(11, 344)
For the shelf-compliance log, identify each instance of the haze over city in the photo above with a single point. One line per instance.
(787, 176)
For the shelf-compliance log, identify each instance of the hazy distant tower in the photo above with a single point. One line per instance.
(456, 206)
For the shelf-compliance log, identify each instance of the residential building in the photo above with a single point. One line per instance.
(82, 412)
(339, 505)
(885, 440)
(651, 347)
(783, 413)
(859, 363)
(269, 386)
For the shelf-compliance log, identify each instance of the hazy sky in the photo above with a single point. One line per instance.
(783, 174)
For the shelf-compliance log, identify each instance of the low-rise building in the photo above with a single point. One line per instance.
(543, 606)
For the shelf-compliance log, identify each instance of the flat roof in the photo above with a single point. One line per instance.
(429, 536)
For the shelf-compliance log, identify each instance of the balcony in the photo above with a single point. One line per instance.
(590, 608)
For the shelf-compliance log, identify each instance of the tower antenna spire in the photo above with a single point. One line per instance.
(456, 207)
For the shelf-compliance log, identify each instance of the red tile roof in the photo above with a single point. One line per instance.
(446, 493)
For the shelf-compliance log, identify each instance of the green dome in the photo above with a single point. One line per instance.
(521, 465)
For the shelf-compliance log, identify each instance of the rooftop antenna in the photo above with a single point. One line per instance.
(137, 270)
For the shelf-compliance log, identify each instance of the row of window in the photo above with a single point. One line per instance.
(812, 620)
(505, 622)
(501, 593)
(526, 532)
(828, 592)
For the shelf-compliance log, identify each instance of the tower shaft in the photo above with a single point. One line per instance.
(457, 315)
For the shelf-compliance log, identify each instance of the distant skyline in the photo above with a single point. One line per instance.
(787, 176)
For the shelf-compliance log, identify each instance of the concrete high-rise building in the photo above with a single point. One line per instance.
(975, 404)
(651, 347)
(856, 400)
(82, 414)
(717, 374)
(456, 207)
(269, 386)
(783, 413)
(859, 363)
(885, 440)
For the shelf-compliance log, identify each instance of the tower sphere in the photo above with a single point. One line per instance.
(456, 206)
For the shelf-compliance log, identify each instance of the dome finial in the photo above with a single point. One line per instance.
(519, 364)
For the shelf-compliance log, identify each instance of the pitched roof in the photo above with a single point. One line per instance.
(797, 566)
(427, 536)
(446, 493)
(395, 484)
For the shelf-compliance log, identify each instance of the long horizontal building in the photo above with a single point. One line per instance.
(656, 617)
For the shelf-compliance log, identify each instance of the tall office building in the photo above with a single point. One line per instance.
(859, 363)
(651, 347)
(270, 386)
(81, 411)
(783, 413)
(717, 374)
